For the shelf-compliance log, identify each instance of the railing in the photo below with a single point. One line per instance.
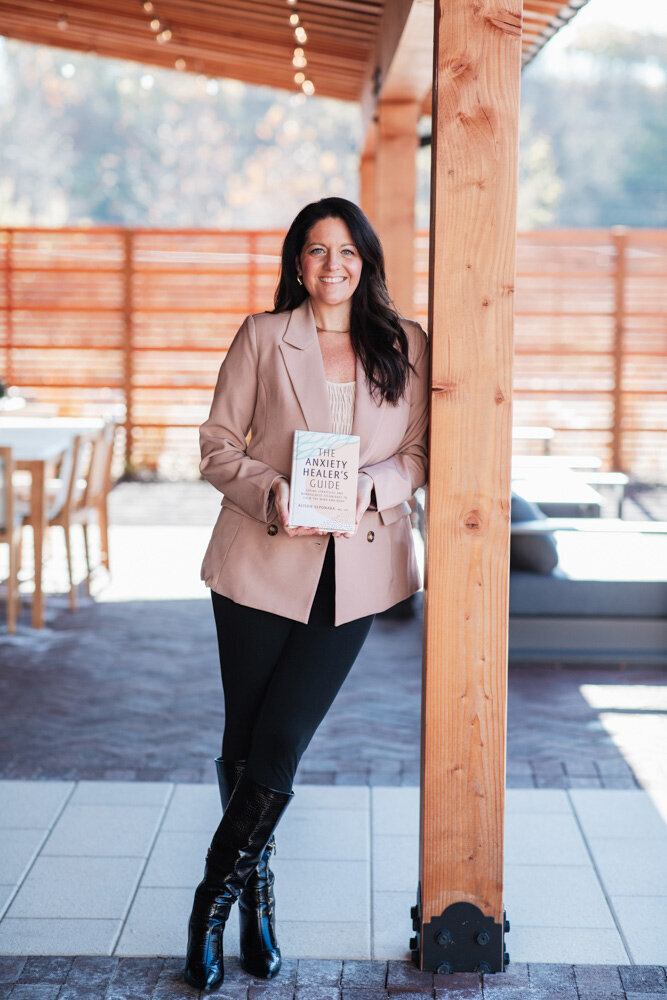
(137, 322)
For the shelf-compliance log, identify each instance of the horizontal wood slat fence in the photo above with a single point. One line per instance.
(136, 322)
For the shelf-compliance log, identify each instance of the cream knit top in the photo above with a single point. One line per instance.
(341, 404)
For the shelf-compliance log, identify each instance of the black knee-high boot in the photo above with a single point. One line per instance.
(260, 952)
(253, 811)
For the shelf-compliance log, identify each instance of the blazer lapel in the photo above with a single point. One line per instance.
(303, 359)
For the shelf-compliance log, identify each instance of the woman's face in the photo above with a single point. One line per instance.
(329, 263)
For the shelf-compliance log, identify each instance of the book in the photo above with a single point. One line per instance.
(323, 488)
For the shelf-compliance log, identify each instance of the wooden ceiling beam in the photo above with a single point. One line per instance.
(139, 30)
(401, 65)
(175, 14)
(356, 49)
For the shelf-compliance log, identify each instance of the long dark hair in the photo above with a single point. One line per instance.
(375, 328)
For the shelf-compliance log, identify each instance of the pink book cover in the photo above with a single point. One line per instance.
(323, 488)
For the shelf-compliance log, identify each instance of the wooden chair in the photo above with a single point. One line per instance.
(62, 498)
(12, 516)
(79, 495)
(92, 504)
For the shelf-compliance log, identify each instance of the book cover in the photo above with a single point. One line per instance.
(323, 488)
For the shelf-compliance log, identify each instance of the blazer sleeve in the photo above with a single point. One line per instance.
(396, 478)
(222, 438)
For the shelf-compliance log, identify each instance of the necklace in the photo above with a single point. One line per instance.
(322, 330)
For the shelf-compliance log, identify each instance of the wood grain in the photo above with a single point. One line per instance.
(471, 296)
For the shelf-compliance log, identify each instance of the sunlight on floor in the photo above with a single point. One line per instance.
(635, 716)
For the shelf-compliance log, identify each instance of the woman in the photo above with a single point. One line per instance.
(294, 605)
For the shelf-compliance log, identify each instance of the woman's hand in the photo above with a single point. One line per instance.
(281, 493)
(364, 490)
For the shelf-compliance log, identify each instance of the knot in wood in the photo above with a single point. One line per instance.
(473, 520)
(458, 66)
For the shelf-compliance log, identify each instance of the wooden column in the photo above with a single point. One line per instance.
(367, 173)
(367, 184)
(459, 914)
(395, 189)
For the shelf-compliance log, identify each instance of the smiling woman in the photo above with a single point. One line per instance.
(292, 610)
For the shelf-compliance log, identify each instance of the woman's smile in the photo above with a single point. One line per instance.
(330, 265)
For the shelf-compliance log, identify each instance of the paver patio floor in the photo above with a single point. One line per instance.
(128, 687)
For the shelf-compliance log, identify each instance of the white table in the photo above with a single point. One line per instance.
(37, 444)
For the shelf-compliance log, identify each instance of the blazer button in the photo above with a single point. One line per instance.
(272, 529)
(370, 536)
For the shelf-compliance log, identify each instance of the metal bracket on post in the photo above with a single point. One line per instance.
(461, 939)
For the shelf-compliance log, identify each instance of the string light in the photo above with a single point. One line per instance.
(163, 34)
(299, 61)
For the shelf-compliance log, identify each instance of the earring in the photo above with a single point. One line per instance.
(298, 278)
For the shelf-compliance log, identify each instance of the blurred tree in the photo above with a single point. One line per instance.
(90, 140)
(606, 121)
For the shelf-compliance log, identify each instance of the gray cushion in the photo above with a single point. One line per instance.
(560, 595)
(532, 553)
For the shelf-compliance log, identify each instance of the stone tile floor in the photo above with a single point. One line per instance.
(127, 690)
(107, 868)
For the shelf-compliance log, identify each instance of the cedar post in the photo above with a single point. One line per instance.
(367, 193)
(395, 186)
(459, 916)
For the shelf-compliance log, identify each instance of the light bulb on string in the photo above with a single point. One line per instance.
(155, 24)
(308, 87)
(299, 78)
(300, 34)
(148, 6)
(294, 20)
(164, 36)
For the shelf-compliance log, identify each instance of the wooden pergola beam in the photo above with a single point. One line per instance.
(459, 916)
(400, 68)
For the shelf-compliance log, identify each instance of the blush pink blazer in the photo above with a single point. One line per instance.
(271, 382)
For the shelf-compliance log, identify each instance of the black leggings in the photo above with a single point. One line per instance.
(281, 676)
